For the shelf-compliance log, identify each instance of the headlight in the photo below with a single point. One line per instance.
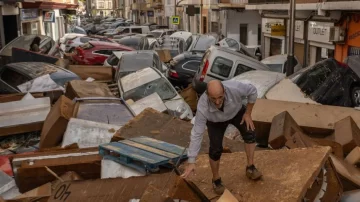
(184, 111)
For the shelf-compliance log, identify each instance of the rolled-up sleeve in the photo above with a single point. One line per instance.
(197, 133)
(246, 90)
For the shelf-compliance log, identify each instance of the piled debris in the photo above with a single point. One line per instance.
(90, 140)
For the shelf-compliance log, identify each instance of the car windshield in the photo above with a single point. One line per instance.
(275, 67)
(23, 42)
(156, 34)
(113, 60)
(203, 43)
(130, 42)
(160, 86)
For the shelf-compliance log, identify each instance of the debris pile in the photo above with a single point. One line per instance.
(86, 144)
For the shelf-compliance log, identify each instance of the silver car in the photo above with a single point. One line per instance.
(126, 62)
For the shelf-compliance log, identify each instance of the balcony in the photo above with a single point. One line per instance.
(155, 4)
(138, 6)
(233, 3)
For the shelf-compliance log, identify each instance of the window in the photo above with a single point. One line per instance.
(232, 43)
(104, 52)
(125, 31)
(242, 69)
(243, 34)
(222, 66)
(189, 42)
(13, 78)
(259, 34)
(84, 39)
(101, 5)
(113, 60)
(110, 5)
(146, 44)
(169, 2)
(136, 30)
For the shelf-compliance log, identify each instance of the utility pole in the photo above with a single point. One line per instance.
(291, 58)
(201, 18)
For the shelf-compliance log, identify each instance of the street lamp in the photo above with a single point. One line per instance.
(291, 58)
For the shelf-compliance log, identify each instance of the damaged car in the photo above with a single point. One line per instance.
(148, 81)
(33, 77)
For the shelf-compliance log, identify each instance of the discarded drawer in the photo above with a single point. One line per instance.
(88, 133)
(56, 123)
(81, 89)
(23, 116)
(143, 153)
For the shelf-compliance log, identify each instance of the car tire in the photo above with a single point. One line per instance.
(355, 96)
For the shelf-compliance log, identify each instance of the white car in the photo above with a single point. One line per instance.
(145, 82)
(234, 45)
(158, 33)
(277, 63)
(66, 37)
(186, 36)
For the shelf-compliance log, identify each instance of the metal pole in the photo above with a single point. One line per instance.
(201, 18)
(291, 58)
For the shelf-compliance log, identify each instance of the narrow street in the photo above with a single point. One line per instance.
(180, 100)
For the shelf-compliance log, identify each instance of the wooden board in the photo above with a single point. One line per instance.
(163, 127)
(102, 73)
(144, 154)
(313, 119)
(287, 174)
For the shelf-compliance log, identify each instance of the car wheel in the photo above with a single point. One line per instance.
(355, 96)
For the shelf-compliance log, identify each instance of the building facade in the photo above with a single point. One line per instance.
(323, 29)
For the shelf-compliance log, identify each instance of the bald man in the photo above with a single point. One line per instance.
(219, 106)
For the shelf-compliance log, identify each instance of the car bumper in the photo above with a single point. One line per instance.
(199, 86)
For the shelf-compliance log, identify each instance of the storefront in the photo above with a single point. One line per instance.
(274, 44)
(351, 45)
(30, 22)
(320, 47)
(299, 43)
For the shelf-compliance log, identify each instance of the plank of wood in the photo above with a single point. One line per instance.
(150, 149)
(165, 146)
(134, 153)
(308, 116)
(96, 72)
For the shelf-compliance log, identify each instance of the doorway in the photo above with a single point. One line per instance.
(204, 31)
(11, 31)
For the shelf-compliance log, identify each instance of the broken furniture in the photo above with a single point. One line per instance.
(142, 153)
(82, 89)
(23, 116)
(163, 127)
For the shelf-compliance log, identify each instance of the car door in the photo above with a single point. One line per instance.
(220, 69)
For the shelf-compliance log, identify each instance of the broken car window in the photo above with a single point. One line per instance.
(13, 78)
(160, 86)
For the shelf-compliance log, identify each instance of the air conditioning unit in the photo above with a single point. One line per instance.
(337, 34)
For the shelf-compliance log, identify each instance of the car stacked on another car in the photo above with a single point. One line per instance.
(71, 44)
(152, 81)
(96, 52)
(136, 42)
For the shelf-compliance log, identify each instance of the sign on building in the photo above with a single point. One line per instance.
(49, 16)
(278, 30)
(175, 20)
(319, 31)
(28, 14)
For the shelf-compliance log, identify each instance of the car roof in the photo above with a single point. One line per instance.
(181, 34)
(235, 53)
(139, 78)
(276, 59)
(34, 69)
(107, 44)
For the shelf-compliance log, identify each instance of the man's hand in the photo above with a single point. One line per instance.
(190, 168)
(248, 120)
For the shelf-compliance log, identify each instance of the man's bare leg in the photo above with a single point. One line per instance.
(250, 149)
(215, 166)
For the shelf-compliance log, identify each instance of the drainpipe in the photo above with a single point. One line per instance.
(291, 58)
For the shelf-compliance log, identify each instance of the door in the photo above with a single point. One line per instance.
(10, 32)
(299, 52)
(204, 25)
(220, 69)
(275, 46)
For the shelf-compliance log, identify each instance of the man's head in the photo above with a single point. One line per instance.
(216, 93)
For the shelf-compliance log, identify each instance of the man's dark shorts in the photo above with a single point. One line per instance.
(216, 131)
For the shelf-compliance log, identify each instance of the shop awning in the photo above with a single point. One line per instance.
(49, 5)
